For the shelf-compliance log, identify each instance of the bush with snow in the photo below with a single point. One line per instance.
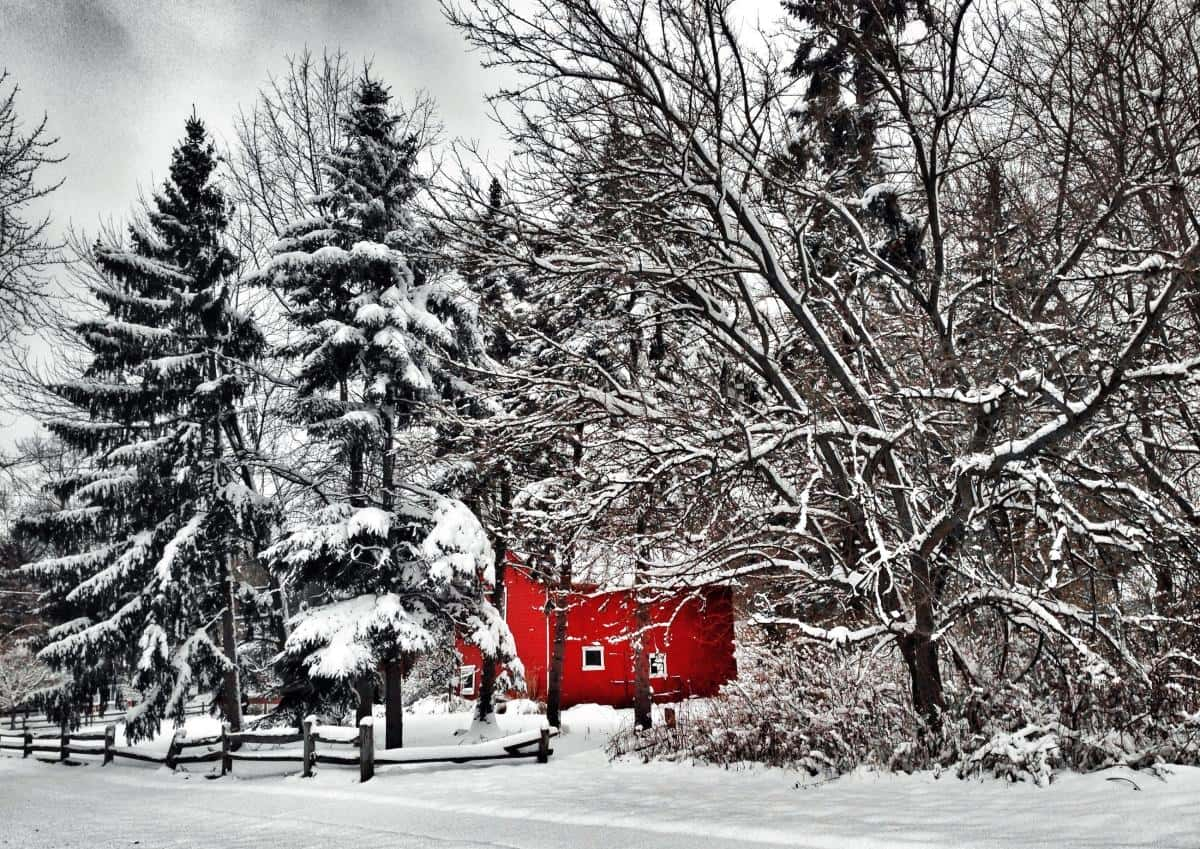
(808, 709)
(826, 713)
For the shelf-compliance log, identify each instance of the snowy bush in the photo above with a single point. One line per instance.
(1071, 718)
(1030, 753)
(806, 709)
(826, 713)
(440, 705)
(434, 674)
(21, 676)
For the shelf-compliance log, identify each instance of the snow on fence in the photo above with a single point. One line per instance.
(230, 746)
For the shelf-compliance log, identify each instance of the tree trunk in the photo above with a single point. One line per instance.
(393, 698)
(487, 682)
(231, 683)
(919, 650)
(643, 700)
(559, 651)
(233, 432)
(231, 680)
(355, 462)
(393, 670)
(921, 656)
(365, 687)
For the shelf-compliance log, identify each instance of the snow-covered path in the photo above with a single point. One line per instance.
(43, 808)
(579, 800)
(582, 802)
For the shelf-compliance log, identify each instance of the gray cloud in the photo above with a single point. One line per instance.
(119, 77)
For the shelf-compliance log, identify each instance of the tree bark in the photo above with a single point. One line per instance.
(559, 652)
(393, 688)
(365, 687)
(230, 679)
(643, 699)
(921, 656)
(357, 496)
(231, 690)
(485, 705)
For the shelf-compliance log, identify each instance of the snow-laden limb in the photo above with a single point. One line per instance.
(456, 546)
(838, 636)
(186, 536)
(339, 639)
(116, 571)
(1059, 618)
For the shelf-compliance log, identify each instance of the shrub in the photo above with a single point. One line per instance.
(826, 713)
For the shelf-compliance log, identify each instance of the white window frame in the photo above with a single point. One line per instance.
(463, 672)
(662, 655)
(584, 658)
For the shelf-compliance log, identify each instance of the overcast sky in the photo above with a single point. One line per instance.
(117, 78)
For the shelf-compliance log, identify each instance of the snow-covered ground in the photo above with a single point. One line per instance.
(580, 800)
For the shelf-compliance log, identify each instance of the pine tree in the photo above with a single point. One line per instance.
(160, 509)
(488, 448)
(400, 560)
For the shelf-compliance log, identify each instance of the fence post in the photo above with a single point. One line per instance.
(64, 742)
(173, 750)
(310, 748)
(226, 761)
(543, 755)
(366, 749)
(110, 742)
(28, 744)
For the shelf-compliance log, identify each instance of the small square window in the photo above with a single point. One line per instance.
(593, 657)
(658, 665)
(466, 680)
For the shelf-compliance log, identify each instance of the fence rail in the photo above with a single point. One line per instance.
(23, 718)
(229, 746)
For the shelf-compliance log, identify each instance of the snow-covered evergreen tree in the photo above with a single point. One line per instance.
(397, 557)
(160, 511)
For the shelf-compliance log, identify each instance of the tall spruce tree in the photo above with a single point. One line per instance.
(399, 561)
(496, 458)
(160, 511)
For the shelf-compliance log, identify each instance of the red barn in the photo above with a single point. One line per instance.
(690, 643)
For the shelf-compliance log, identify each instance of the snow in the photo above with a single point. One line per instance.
(1154, 262)
(336, 628)
(342, 633)
(457, 543)
(370, 520)
(580, 799)
(877, 191)
(165, 568)
(483, 749)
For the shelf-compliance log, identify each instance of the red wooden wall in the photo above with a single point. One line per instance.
(693, 631)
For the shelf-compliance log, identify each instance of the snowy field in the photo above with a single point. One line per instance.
(580, 800)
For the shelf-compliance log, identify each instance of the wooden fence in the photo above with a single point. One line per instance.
(358, 748)
(26, 719)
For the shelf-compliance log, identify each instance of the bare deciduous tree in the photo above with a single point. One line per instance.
(26, 249)
(910, 382)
